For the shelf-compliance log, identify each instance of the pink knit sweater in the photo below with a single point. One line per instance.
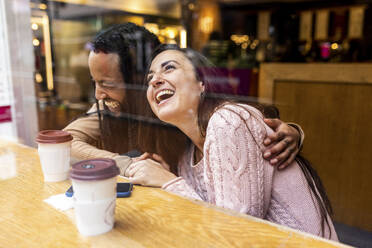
(234, 175)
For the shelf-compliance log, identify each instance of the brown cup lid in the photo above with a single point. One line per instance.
(53, 137)
(94, 169)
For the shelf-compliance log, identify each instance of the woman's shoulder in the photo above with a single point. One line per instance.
(234, 113)
(233, 116)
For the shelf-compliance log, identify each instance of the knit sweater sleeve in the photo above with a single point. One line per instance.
(237, 176)
(180, 187)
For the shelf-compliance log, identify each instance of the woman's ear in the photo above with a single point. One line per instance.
(202, 86)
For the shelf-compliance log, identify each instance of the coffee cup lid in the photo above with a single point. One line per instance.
(94, 169)
(53, 137)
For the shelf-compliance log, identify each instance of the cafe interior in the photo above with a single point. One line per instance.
(312, 59)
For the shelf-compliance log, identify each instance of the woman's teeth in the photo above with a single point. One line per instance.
(164, 94)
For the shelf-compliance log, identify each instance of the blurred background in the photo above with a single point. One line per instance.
(311, 58)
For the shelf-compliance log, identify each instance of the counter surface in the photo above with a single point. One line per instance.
(151, 217)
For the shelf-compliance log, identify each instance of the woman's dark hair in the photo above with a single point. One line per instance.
(133, 44)
(210, 102)
(207, 73)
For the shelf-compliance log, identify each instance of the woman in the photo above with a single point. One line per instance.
(223, 163)
(117, 65)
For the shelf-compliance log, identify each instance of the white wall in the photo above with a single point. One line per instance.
(16, 71)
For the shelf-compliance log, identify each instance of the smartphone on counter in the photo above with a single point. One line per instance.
(122, 190)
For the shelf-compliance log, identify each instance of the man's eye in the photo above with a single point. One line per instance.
(108, 85)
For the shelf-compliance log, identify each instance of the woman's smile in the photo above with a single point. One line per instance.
(163, 95)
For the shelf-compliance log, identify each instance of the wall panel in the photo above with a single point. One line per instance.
(334, 107)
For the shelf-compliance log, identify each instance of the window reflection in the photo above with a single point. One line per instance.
(62, 32)
(290, 54)
(8, 168)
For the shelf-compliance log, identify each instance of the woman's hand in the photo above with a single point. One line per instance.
(148, 172)
(283, 144)
(154, 157)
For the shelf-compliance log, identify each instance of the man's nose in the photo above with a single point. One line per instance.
(100, 93)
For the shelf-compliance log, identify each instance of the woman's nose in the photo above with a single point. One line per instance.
(156, 81)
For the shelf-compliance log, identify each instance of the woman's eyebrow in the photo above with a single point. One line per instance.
(167, 62)
(164, 64)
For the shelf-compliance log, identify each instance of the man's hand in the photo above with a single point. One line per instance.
(282, 145)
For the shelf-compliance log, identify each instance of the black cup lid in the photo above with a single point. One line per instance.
(94, 169)
(53, 137)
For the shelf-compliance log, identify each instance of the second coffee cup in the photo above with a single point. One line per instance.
(94, 184)
(54, 151)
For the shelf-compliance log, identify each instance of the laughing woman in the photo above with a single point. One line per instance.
(223, 162)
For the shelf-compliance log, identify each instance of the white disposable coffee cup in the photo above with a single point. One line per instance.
(94, 185)
(54, 151)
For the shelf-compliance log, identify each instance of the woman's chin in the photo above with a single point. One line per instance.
(166, 116)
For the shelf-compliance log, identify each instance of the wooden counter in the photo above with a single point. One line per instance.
(151, 217)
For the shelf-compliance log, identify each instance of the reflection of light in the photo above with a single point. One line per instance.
(35, 42)
(38, 78)
(48, 55)
(43, 22)
(239, 39)
(7, 165)
(34, 26)
(183, 39)
(334, 46)
(206, 24)
(152, 27)
(171, 34)
(42, 6)
(191, 6)
(161, 39)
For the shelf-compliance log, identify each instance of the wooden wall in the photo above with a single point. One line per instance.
(336, 115)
